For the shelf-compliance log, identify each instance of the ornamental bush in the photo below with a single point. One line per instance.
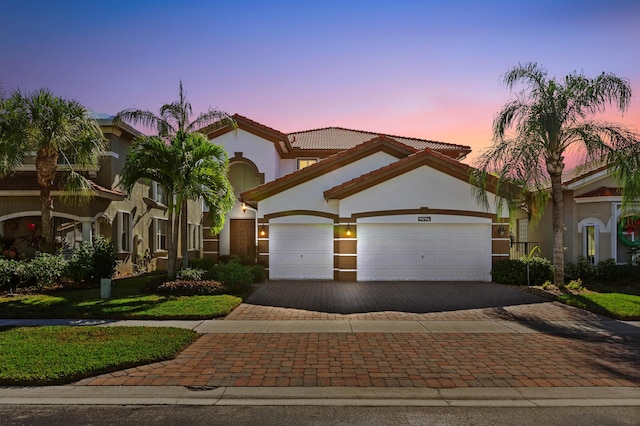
(12, 273)
(45, 269)
(237, 278)
(582, 270)
(194, 274)
(514, 271)
(92, 261)
(190, 287)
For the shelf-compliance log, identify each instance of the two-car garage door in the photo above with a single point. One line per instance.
(460, 252)
(385, 251)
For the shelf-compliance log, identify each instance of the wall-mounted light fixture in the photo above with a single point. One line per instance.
(262, 231)
(348, 230)
(502, 230)
(244, 207)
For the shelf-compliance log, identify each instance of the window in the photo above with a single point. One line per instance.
(523, 230)
(157, 193)
(124, 231)
(161, 227)
(591, 243)
(305, 162)
(194, 237)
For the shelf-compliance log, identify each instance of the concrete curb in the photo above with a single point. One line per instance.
(327, 396)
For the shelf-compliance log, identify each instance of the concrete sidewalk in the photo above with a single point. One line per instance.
(607, 326)
(329, 396)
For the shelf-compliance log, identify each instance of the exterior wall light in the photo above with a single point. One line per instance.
(262, 232)
(244, 208)
(348, 230)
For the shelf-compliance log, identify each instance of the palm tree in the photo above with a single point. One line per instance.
(173, 123)
(547, 120)
(188, 168)
(54, 128)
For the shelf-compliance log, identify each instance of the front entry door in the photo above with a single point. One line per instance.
(243, 238)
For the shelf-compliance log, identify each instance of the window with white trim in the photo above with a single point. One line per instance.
(161, 227)
(194, 236)
(590, 245)
(124, 231)
(158, 194)
(523, 230)
(301, 163)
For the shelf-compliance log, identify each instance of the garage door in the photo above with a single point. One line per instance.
(457, 252)
(298, 251)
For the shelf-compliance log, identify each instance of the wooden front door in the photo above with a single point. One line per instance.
(243, 238)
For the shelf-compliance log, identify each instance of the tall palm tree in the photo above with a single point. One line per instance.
(187, 168)
(533, 132)
(174, 123)
(55, 129)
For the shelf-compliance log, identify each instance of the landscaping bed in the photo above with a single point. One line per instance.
(617, 302)
(129, 300)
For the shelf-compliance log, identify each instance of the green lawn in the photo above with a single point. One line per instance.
(128, 301)
(58, 355)
(616, 302)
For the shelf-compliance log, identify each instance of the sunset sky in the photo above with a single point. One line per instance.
(426, 69)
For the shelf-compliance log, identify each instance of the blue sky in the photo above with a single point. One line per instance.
(428, 69)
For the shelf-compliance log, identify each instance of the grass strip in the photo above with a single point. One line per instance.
(616, 305)
(31, 356)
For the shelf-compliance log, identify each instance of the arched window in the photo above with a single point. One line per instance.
(243, 176)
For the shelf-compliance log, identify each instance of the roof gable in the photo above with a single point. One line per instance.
(426, 157)
(378, 144)
(279, 139)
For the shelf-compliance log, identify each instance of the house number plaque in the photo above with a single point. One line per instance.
(424, 218)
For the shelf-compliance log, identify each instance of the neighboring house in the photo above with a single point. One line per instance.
(137, 225)
(595, 225)
(349, 205)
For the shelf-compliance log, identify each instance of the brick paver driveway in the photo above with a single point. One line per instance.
(535, 348)
(308, 300)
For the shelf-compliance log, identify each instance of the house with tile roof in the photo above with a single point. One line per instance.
(595, 225)
(136, 224)
(341, 204)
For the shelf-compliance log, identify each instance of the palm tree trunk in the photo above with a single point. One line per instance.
(184, 239)
(173, 252)
(46, 161)
(557, 215)
(171, 263)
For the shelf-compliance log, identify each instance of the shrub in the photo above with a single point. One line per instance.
(92, 261)
(229, 259)
(514, 271)
(575, 285)
(583, 269)
(45, 269)
(205, 264)
(190, 287)
(12, 273)
(607, 270)
(193, 274)
(237, 279)
(547, 285)
(259, 274)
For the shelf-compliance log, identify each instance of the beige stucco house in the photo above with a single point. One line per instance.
(137, 224)
(595, 225)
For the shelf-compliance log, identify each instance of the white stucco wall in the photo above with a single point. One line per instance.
(309, 195)
(421, 187)
(261, 151)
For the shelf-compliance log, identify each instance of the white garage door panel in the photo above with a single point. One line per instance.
(301, 251)
(424, 252)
